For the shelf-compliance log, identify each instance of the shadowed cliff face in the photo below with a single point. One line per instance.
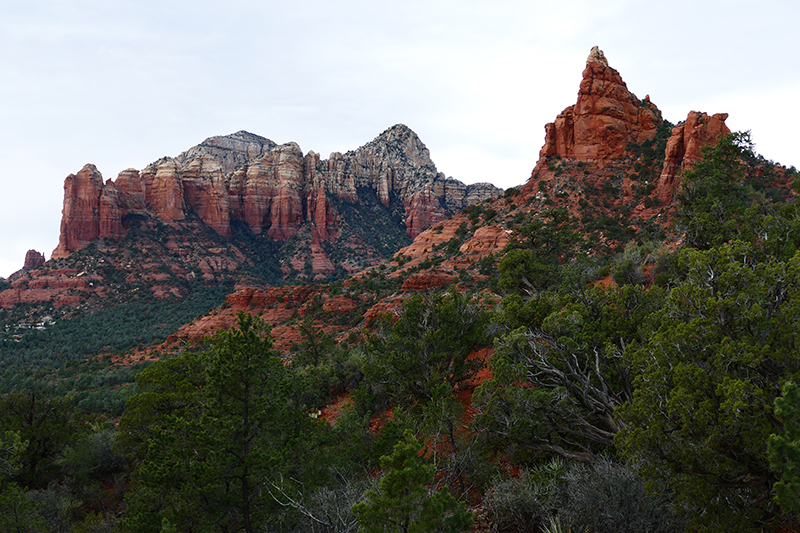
(270, 188)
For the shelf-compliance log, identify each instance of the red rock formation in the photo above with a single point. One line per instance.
(132, 191)
(268, 187)
(285, 170)
(424, 281)
(322, 214)
(33, 259)
(683, 148)
(164, 190)
(486, 240)
(110, 213)
(423, 212)
(204, 189)
(80, 223)
(62, 287)
(273, 305)
(430, 238)
(391, 306)
(605, 119)
(339, 304)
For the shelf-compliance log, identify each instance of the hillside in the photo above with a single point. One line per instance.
(610, 162)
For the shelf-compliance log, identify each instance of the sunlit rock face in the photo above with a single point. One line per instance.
(608, 123)
(606, 118)
(683, 148)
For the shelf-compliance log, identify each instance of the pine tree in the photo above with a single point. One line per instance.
(403, 503)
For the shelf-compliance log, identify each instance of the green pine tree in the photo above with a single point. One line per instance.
(403, 503)
(784, 450)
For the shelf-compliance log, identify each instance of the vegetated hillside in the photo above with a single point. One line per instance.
(548, 354)
(143, 254)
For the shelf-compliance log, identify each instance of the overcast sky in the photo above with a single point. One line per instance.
(122, 83)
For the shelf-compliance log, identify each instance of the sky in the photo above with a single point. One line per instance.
(122, 83)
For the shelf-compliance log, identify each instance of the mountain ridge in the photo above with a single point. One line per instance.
(616, 178)
(240, 209)
(251, 179)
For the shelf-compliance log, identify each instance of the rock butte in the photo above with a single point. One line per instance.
(33, 259)
(272, 188)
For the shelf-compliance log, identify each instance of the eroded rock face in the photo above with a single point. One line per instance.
(269, 187)
(604, 129)
(605, 119)
(80, 217)
(205, 191)
(683, 148)
(397, 164)
(132, 190)
(164, 190)
(487, 240)
(273, 190)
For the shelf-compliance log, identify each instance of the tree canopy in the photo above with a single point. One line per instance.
(219, 427)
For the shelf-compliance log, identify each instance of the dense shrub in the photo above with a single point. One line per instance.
(527, 502)
(604, 497)
(611, 498)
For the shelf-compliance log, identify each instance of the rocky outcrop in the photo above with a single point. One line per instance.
(80, 217)
(397, 164)
(683, 148)
(271, 194)
(33, 259)
(605, 120)
(62, 287)
(230, 151)
(273, 188)
(486, 240)
(425, 281)
(164, 190)
(205, 191)
(607, 127)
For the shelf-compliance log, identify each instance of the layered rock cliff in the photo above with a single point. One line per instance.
(230, 151)
(270, 188)
(239, 210)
